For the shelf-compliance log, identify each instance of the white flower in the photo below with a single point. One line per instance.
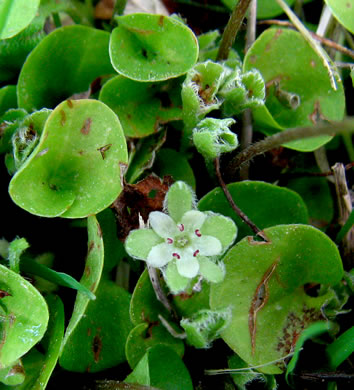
(182, 241)
(185, 242)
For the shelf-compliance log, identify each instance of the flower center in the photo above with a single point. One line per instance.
(181, 241)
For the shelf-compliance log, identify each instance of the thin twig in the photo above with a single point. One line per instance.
(246, 369)
(160, 295)
(283, 137)
(319, 174)
(339, 377)
(324, 41)
(344, 209)
(251, 25)
(247, 125)
(231, 29)
(170, 330)
(237, 210)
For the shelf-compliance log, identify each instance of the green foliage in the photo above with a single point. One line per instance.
(270, 306)
(318, 101)
(75, 169)
(155, 47)
(343, 11)
(161, 367)
(65, 63)
(112, 123)
(15, 15)
(14, 309)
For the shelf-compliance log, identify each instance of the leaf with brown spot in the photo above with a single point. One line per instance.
(285, 55)
(270, 307)
(97, 347)
(260, 298)
(86, 126)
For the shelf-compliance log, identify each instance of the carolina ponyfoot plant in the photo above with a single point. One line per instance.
(183, 242)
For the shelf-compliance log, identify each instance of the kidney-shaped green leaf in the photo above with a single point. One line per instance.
(64, 63)
(75, 169)
(284, 57)
(265, 204)
(15, 15)
(161, 368)
(264, 285)
(98, 340)
(145, 336)
(148, 47)
(24, 316)
(142, 107)
(343, 10)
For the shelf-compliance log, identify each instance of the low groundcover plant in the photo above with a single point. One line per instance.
(183, 242)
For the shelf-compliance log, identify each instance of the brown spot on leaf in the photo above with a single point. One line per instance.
(140, 31)
(63, 117)
(184, 296)
(86, 126)
(16, 369)
(91, 246)
(316, 116)
(103, 150)
(294, 324)
(260, 298)
(278, 33)
(4, 293)
(348, 5)
(136, 199)
(81, 152)
(93, 286)
(253, 59)
(252, 241)
(161, 20)
(87, 271)
(97, 347)
(150, 328)
(99, 230)
(313, 63)
(89, 331)
(70, 103)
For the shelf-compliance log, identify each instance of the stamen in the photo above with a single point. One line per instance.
(197, 232)
(169, 241)
(181, 227)
(196, 252)
(176, 255)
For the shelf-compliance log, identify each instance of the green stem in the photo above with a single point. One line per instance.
(347, 139)
(56, 20)
(232, 28)
(346, 127)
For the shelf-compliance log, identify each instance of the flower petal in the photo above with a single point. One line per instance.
(140, 242)
(163, 224)
(207, 245)
(221, 227)
(160, 255)
(179, 199)
(210, 271)
(193, 220)
(175, 282)
(187, 265)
